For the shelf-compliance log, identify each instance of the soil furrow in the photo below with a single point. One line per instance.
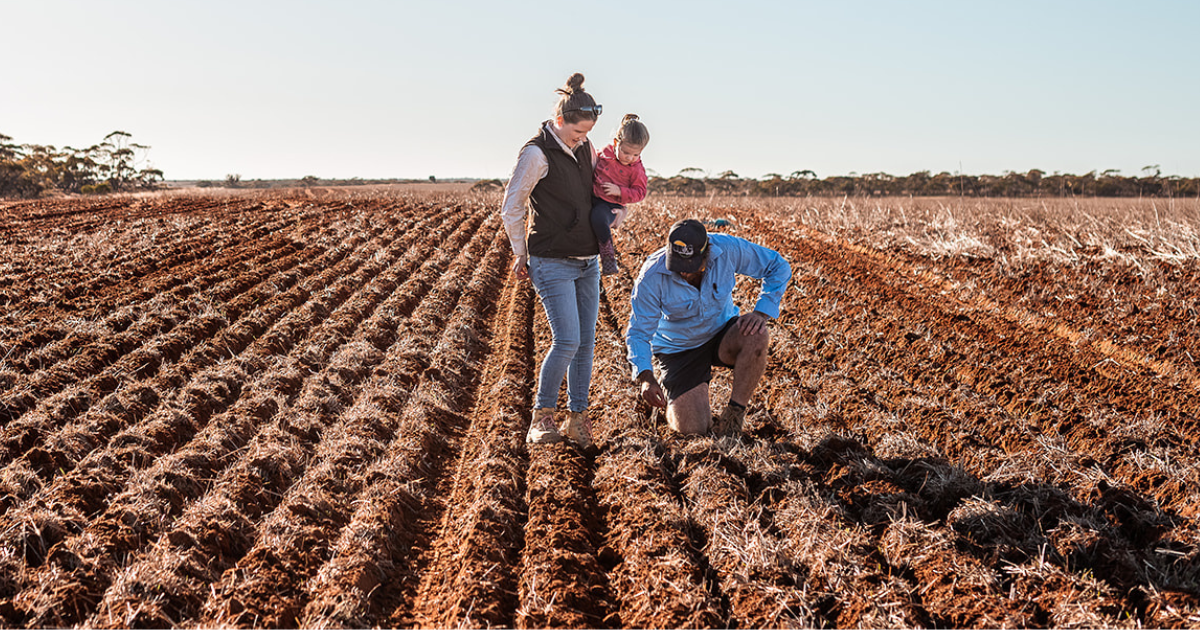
(470, 577)
(165, 488)
(246, 491)
(978, 364)
(80, 490)
(135, 401)
(369, 576)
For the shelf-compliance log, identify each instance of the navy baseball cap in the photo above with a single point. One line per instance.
(687, 246)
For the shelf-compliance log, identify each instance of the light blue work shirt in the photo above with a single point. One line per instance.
(671, 315)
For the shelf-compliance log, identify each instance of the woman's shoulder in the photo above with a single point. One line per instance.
(531, 152)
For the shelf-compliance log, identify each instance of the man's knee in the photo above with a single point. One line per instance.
(690, 423)
(758, 342)
(690, 412)
(743, 346)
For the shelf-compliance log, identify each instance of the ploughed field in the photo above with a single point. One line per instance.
(308, 409)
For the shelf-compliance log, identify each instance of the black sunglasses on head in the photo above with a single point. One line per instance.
(590, 109)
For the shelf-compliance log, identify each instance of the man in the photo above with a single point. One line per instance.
(684, 321)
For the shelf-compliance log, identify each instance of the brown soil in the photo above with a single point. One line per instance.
(308, 409)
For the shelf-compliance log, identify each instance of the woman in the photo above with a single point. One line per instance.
(553, 178)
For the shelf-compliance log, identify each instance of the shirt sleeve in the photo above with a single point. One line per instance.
(530, 169)
(637, 190)
(645, 312)
(767, 265)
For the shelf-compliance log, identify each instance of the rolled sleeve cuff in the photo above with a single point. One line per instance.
(639, 367)
(768, 307)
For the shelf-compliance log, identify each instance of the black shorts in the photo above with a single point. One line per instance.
(680, 372)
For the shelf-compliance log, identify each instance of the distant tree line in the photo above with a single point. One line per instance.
(1035, 183)
(31, 170)
(234, 180)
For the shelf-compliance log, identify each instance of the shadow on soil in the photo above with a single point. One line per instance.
(1112, 534)
(1107, 533)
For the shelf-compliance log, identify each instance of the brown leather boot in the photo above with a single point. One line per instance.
(543, 430)
(730, 421)
(578, 429)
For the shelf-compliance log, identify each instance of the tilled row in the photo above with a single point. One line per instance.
(84, 491)
(372, 472)
(470, 578)
(861, 334)
(279, 339)
(97, 346)
(76, 215)
(127, 273)
(1050, 389)
(1152, 311)
(370, 575)
(56, 336)
(1089, 320)
(864, 492)
(276, 438)
(269, 583)
(134, 402)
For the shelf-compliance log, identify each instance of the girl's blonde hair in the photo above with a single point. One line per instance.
(633, 131)
(573, 101)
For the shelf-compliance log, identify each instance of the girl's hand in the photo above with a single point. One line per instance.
(612, 190)
(521, 267)
(620, 218)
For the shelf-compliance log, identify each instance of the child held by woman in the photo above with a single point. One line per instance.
(620, 179)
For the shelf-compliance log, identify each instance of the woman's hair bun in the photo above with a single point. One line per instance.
(628, 119)
(574, 85)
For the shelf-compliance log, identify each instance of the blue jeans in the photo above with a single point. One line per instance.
(570, 292)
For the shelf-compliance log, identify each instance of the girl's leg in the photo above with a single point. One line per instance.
(579, 375)
(555, 282)
(602, 218)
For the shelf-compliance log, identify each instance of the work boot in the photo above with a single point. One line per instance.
(730, 421)
(578, 429)
(608, 259)
(543, 430)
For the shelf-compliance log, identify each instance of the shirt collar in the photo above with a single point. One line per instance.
(550, 130)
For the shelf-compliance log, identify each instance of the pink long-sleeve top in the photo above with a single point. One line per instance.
(610, 170)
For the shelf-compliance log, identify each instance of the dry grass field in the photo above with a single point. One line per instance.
(307, 409)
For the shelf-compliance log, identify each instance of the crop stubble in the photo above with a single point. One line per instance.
(308, 410)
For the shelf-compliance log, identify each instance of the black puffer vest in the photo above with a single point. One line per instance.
(562, 201)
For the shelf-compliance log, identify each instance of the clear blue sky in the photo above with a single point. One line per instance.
(275, 89)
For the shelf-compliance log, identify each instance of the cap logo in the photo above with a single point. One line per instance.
(681, 249)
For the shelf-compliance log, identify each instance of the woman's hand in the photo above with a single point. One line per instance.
(612, 190)
(520, 267)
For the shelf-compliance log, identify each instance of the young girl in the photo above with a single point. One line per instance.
(620, 180)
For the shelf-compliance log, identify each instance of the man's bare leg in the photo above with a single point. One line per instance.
(748, 356)
(691, 413)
